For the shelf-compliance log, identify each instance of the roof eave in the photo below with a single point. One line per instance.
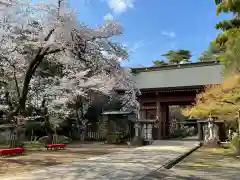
(174, 66)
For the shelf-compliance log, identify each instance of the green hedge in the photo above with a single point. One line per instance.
(117, 137)
(181, 133)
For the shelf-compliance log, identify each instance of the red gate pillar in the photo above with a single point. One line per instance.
(165, 120)
(167, 124)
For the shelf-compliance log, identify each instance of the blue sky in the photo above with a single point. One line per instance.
(152, 27)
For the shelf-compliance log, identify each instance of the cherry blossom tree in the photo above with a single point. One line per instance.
(27, 40)
(127, 84)
(84, 59)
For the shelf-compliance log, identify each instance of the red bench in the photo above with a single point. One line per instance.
(11, 151)
(56, 146)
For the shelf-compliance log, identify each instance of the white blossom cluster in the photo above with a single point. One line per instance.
(87, 59)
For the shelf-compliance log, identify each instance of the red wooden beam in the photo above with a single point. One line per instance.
(147, 99)
(168, 99)
(177, 99)
(149, 107)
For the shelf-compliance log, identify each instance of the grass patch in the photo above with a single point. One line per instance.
(206, 157)
(34, 146)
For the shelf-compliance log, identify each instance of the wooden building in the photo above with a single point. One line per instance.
(168, 85)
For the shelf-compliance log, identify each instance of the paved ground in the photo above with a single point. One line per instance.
(131, 164)
(203, 164)
(37, 157)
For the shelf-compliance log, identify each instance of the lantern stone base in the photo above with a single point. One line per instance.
(137, 141)
(211, 143)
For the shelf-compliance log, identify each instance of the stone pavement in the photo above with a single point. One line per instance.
(130, 164)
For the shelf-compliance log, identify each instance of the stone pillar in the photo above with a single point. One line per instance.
(149, 133)
(136, 126)
(163, 120)
(177, 125)
(140, 113)
(144, 131)
(200, 131)
(137, 140)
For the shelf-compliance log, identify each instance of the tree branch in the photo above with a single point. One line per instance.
(49, 34)
(55, 51)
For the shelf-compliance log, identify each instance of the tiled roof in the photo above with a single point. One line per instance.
(186, 75)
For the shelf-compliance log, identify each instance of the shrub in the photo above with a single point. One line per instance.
(33, 146)
(118, 137)
(60, 139)
(112, 137)
(123, 137)
(64, 140)
(234, 141)
(43, 140)
(2, 139)
(181, 133)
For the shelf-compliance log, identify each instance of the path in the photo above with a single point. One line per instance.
(128, 164)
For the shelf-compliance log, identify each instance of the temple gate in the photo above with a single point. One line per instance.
(168, 85)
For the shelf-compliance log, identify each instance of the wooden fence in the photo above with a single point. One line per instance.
(9, 140)
(97, 136)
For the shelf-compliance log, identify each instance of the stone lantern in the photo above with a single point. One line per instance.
(210, 130)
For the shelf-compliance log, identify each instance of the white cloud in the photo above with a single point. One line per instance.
(137, 45)
(170, 34)
(120, 6)
(108, 17)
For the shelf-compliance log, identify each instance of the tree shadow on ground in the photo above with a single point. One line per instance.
(128, 165)
(190, 177)
(209, 163)
(166, 174)
(93, 152)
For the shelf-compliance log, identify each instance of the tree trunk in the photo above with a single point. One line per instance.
(29, 74)
(47, 125)
(78, 118)
(81, 128)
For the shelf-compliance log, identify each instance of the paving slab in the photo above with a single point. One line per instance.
(129, 164)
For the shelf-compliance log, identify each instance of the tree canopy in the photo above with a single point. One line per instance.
(223, 48)
(50, 59)
(159, 63)
(222, 101)
(210, 54)
(177, 56)
(226, 6)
